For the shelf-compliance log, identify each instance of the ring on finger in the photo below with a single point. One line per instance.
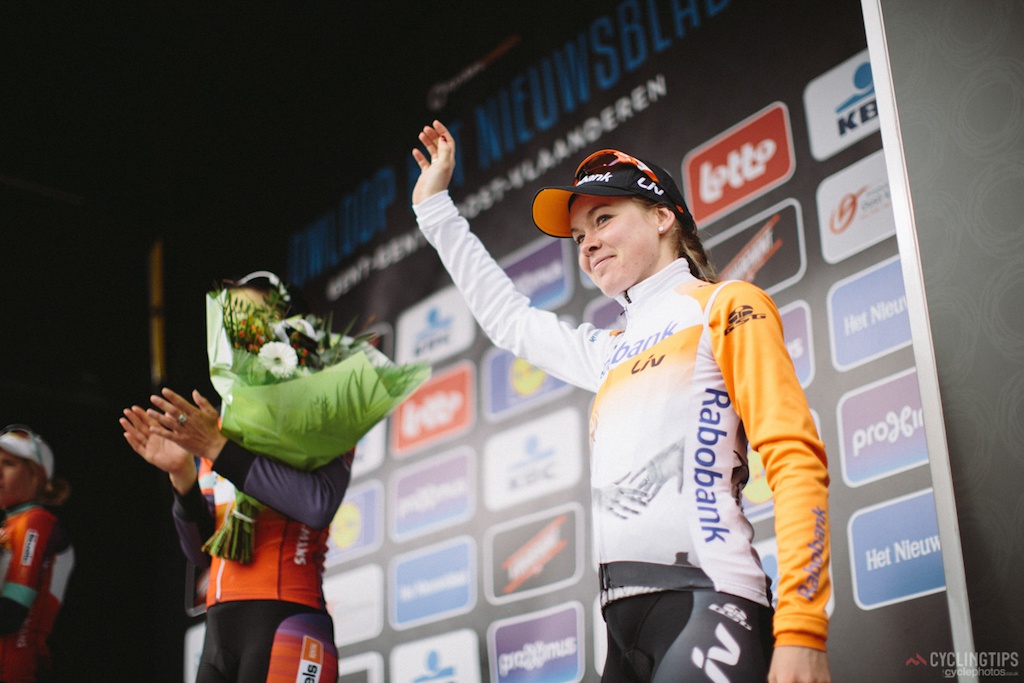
(182, 418)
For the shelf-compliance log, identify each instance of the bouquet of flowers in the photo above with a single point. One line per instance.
(292, 390)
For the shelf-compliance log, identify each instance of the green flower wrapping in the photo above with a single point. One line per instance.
(303, 415)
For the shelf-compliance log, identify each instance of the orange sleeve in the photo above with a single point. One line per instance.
(748, 344)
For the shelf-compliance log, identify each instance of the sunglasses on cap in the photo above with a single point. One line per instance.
(25, 432)
(604, 159)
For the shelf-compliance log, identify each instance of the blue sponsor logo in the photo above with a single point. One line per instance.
(433, 495)
(895, 551)
(868, 315)
(540, 272)
(512, 385)
(433, 583)
(436, 330)
(860, 108)
(543, 647)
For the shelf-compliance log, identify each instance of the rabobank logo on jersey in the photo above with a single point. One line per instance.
(767, 249)
(533, 555)
(881, 429)
(358, 525)
(867, 315)
(796, 329)
(512, 385)
(438, 327)
(895, 551)
(533, 459)
(440, 409)
(541, 647)
(742, 163)
(855, 208)
(433, 494)
(433, 583)
(447, 658)
(542, 271)
(841, 106)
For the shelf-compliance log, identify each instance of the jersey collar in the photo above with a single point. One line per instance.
(665, 279)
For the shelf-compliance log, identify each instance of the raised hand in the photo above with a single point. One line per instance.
(162, 453)
(435, 172)
(194, 428)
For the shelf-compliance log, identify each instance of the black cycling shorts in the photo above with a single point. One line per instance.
(252, 641)
(696, 635)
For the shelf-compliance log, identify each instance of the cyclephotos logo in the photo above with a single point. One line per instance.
(969, 664)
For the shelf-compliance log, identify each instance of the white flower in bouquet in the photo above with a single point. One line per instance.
(279, 358)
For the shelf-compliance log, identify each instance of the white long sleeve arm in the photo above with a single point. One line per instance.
(573, 355)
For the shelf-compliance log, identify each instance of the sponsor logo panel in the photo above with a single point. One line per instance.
(370, 450)
(533, 555)
(436, 328)
(895, 552)
(533, 459)
(748, 160)
(542, 271)
(855, 209)
(767, 250)
(796, 330)
(432, 583)
(365, 667)
(512, 385)
(867, 315)
(543, 646)
(881, 429)
(358, 525)
(604, 313)
(358, 614)
(441, 409)
(841, 106)
(435, 494)
(447, 658)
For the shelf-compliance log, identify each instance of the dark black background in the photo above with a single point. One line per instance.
(217, 131)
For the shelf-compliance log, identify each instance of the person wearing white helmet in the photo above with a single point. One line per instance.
(36, 557)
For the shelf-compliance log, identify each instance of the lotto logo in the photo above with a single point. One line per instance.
(438, 410)
(746, 161)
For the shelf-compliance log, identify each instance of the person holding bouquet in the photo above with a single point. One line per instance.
(698, 374)
(257, 506)
(36, 557)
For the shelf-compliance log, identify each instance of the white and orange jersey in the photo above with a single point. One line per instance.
(698, 372)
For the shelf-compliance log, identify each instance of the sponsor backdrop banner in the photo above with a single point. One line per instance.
(462, 551)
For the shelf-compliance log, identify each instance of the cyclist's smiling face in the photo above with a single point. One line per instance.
(619, 240)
